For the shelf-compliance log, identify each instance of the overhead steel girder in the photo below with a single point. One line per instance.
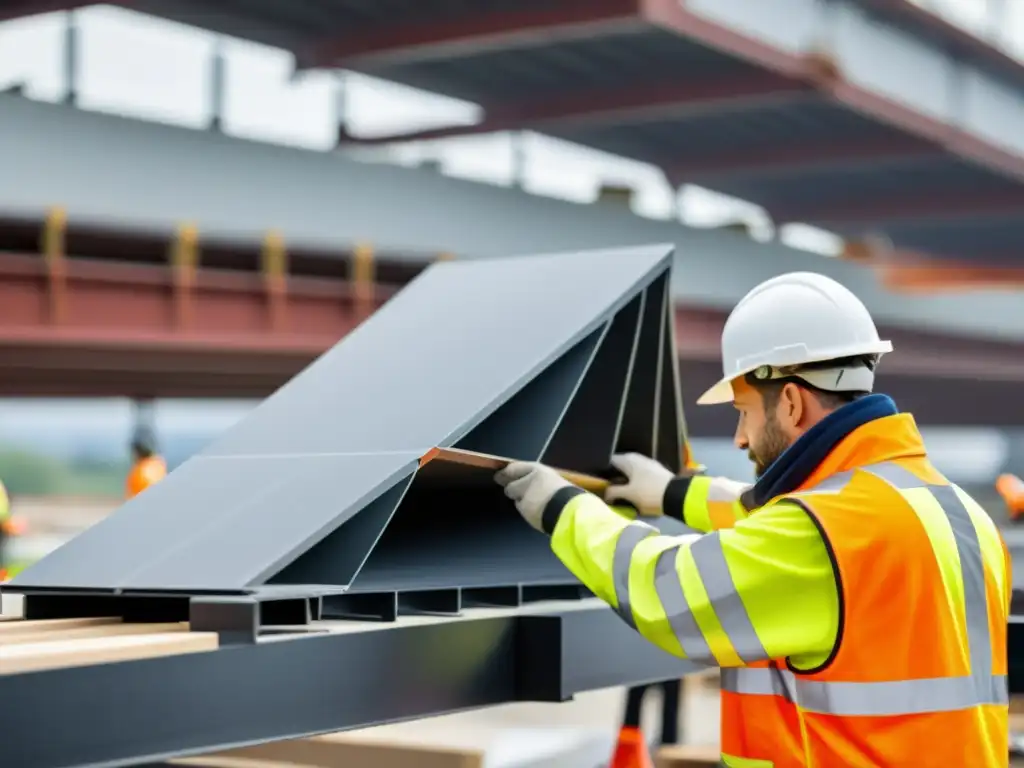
(966, 203)
(624, 105)
(796, 159)
(522, 24)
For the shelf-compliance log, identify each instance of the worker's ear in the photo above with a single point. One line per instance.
(791, 409)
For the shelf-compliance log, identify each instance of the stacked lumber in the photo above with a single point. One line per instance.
(31, 646)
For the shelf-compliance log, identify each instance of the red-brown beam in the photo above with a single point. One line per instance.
(874, 210)
(469, 33)
(618, 106)
(827, 77)
(792, 160)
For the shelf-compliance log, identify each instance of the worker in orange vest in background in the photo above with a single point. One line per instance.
(147, 466)
(1011, 488)
(10, 526)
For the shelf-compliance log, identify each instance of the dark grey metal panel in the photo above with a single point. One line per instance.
(585, 439)
(439, 359)
(637, 432)
(444, 354)
(457, 529)
(221, 523)
(521, 427)
(337, 558)
(669, 440)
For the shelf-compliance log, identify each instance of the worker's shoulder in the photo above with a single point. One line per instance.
(784, 517)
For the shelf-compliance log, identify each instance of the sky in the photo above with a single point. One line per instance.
(150, 69)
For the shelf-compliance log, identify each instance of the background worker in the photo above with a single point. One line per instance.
(147, 466)
(1011, 488)
(857, 600)
(11, 526)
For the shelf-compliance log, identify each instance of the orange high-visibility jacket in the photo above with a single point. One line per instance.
(143, 474)
(918, 673)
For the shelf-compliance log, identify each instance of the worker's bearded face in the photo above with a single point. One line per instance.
(769, 444)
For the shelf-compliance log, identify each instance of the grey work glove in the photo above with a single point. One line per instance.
(646, 481)
(532, 486)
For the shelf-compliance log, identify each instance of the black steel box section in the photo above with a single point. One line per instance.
(150, 710)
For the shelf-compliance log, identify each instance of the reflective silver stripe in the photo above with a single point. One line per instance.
(898, 697)
(831, 484)
(625, 545)
(901, 697)
(669, 589)
(713, 570)
(759, 681)
(972, 564)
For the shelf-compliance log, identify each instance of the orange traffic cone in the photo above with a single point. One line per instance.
(631, 750)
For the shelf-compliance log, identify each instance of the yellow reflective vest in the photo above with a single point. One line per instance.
(776, 559)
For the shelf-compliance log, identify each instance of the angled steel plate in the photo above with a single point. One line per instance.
(528, 356)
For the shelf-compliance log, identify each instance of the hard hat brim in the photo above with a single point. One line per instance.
(718, 394)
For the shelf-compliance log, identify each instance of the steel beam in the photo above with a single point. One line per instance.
(794, 160)
(941, 206)
(131, 712)
(638, 103)
(828, 80)
(118, 304)
(463, 34)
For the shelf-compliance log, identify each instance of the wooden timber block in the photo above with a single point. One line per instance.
(711, 679)
(18, 626)
(215, 761)
(688, 756)
(352, 752)
(1016, 705)
(102, 630)
(32, 657)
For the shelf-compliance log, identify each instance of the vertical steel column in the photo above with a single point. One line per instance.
(53, 248)
(363, 282)
(184, 261)
(218, 87)
(70, 62)
(275, 279)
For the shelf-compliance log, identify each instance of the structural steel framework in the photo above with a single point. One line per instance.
(358, 492)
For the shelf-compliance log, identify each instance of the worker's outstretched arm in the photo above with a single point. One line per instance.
(701, 502)
(763, 589)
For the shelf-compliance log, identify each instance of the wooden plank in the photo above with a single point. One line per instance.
(215, 761)
(108, 630)
(688, 756)
(486, 461)
(355, 752)
(22, 627)
(31, 657)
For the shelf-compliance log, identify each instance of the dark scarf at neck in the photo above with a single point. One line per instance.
(798, 462)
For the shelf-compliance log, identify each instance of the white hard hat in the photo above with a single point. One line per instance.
(792, 320)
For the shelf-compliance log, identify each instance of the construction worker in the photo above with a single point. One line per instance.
(147, 466)
(856, 599)
(1011, 488)
(6, 530)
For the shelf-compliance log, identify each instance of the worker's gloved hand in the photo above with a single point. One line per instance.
(531, 486)
(646, 481)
